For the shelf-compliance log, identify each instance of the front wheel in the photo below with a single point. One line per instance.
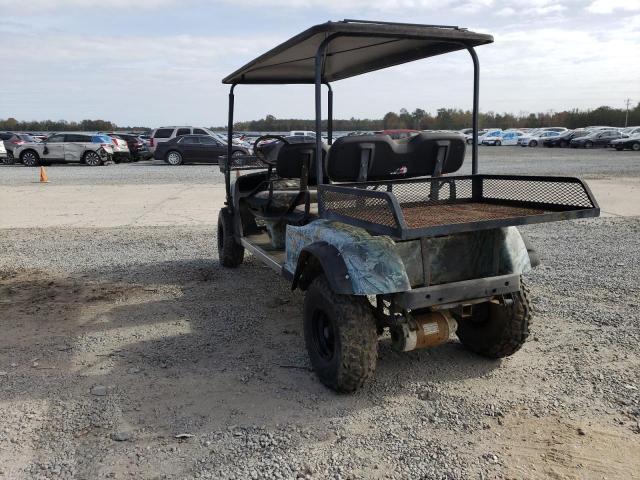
(564, 144)
(341, 337)
(533, 143)
(10, 159)
(588, 144)
(497, 328)
(30, 158)
(498, 143)
(92, 159)
(174, 158)
(635, 147)
(230, 252)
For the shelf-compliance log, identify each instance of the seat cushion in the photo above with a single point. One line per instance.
(280, 201)
(385, 159)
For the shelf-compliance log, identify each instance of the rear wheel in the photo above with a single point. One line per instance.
(498, 328)
(564, 143)
(635, 147)
(230, 253)
(498, 143)
(174, 158)
(588, 144)
(341, 336)
(533, 143)
(30, 158)
(92, 159)
(10, 160)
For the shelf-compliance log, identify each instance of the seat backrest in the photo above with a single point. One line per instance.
(290, 160)
(378, 157)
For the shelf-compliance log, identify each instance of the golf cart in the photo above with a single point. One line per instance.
(379, 234)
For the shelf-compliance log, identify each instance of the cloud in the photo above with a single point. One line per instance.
(48, 5)
(609, 6)
(168, 72)
(506, 12)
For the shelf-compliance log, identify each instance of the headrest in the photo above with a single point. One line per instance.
(378, 157)
(291, 157)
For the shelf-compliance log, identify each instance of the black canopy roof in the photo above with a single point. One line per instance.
(356, 47)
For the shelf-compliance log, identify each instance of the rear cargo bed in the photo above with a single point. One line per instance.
(415, 208)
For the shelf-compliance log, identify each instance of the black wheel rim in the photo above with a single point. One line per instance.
(324, 338)
(92, 159)
(29, 159)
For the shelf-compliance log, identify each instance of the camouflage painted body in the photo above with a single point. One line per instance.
(374, 266)
(378, 265)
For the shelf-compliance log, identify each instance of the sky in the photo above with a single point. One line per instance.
(161, 62)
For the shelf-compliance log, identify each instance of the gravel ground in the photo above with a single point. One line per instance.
(129, 352)
(596, 163)
(158, 363)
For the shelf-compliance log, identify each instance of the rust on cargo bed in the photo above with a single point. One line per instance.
(419, 215)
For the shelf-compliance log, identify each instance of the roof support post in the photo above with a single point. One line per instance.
(227, 173)
(318, 67)
(330, 114)
(476, 107)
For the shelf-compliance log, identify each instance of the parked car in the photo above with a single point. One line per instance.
(137, 148)
(81, 147)
(631, 143)
(301, 133)
(468, 137)
(508, 137)
(395, 134)
(121, 151)
(194, 148)
(564, 138)
(164, 134)
(533, 139)
(631, 131)
(492, 132)
(11, 140)
(598, 138)
(3, 153)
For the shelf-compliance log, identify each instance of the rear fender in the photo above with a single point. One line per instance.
(319, 258)
(354, 261)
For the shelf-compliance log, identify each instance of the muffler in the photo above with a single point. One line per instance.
(422, 330)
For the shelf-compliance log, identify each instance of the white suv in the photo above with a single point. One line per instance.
(164, 134)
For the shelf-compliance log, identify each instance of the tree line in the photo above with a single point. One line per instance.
(14, 125)
(455, 119)
(419, 119)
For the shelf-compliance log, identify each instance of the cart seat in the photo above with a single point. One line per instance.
(379, 157)
(280, 195)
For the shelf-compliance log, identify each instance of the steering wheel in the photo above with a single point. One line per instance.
(258, 152)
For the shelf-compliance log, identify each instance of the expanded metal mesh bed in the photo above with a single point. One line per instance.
(417, 208)
(241, 162)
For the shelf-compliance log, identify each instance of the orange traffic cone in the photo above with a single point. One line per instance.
(43, 176)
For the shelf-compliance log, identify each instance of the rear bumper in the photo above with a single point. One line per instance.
(458, 292)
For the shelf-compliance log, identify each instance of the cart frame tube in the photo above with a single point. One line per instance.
(319, 64)
(227, 173)
(476, 106)
(320, 56)
(329, 114)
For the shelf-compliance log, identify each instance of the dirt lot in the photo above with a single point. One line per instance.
(128, 352)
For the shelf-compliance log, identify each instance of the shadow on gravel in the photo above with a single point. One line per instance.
(181, 347)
